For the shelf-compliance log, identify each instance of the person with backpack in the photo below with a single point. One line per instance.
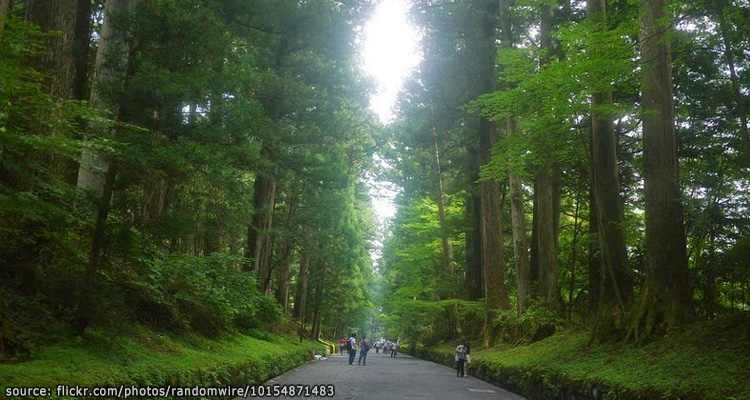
(351, 347)
(460, 360)
(364, 347)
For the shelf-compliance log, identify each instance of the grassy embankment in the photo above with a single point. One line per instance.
(708, 360)
(143, 357)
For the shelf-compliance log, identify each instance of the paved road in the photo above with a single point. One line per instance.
(383, 377)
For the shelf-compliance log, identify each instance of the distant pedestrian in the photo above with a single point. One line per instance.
(376, 345)
(394, 349)
(460, 359)
(342, 345)
(364, 347)
(351, 346)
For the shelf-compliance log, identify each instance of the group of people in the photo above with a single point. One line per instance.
(350, 345)
(463, 351)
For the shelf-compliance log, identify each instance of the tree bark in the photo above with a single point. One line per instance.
(534, 245)
(108, 68)
(282, 276)
(615, 280)
(518, 219)
(57, 63)
(493, 259)
(5, 7)
(259, 241)
(81, 49)
(665, 299)
(87, 291)
(300, 298)
(316, 311)
(547, 239)
(474, 246)
(447, 251)
(594, 260)
(96, 175)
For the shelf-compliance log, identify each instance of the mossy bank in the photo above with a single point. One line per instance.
(146, 358)
(709, 360)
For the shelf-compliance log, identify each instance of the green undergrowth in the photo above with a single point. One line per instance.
(708, 360)
(143, 357)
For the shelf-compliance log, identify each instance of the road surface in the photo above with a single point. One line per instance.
(383, 377)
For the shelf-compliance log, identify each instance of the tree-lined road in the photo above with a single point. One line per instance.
(403, 377)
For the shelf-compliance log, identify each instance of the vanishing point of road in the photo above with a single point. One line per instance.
(399, 378)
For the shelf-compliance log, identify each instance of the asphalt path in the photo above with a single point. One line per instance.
(402, 377)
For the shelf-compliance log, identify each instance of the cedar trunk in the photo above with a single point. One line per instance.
(300, 298)
(259, 241)
(57, 62)
(493, 260)
(474, 246)
(615, 280)
(447, 252)
(518, 219)
(665, 299)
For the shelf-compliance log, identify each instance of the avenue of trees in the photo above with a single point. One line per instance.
(192, 166)
(564, 162)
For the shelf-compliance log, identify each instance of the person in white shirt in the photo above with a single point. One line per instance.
(352, 348)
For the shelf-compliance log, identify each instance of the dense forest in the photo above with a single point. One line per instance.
(186, 165)
(206, 167)
(570, 163)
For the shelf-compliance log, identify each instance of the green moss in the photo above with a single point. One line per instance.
(708, 360)
(150, 358)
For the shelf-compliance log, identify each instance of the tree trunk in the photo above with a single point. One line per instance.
(95, 174)
(518, 219)
(87, 291)
(57, 62)
(615, 280)
(474, 246)
(5, 7)
(81, 49)
(447, 252)
(574, 256)
(108, 68)
(547, 239)
(665, 299)
(493, 260)
(594, 260)
(282, 276)
(259, 233)
(300, 298)
(533, 284)
(316, 311)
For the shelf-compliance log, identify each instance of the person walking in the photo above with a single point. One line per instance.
(394, 349)
(460, 360)
(364, 347)
(352, 347)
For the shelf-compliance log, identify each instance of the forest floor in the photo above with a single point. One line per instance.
(706, 360)
(143, 357)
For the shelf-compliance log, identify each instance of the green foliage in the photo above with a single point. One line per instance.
(138, 356)
(536, 323)
(205, 294)
(427, 322)
(700, 361)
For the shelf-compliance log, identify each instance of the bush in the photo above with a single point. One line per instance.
(207, 294)
(536, 323)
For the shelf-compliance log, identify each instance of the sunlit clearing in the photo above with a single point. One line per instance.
(390, 52)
